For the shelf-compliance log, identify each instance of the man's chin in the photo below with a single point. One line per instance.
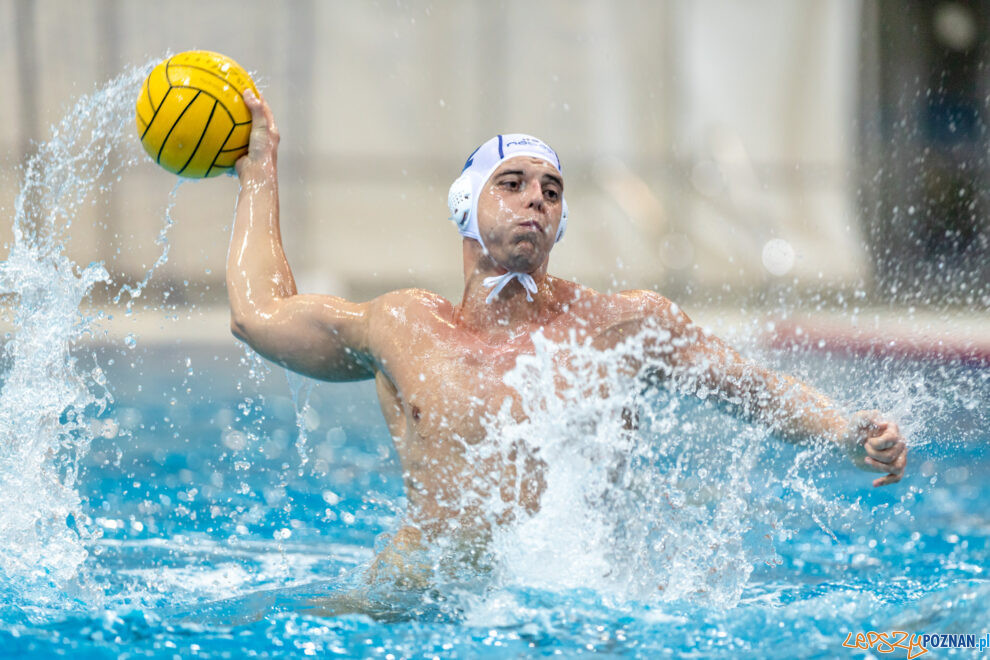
(522, 253)
(523, 265)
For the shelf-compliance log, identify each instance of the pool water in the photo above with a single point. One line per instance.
(215, 536)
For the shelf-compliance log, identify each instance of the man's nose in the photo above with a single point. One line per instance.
(534, 195)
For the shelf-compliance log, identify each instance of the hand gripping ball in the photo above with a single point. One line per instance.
(191, 114)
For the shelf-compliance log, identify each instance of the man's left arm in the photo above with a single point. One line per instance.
(794, 410)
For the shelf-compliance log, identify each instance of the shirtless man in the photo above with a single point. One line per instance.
(439, 367)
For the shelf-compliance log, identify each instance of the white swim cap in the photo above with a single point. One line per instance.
(481, 164)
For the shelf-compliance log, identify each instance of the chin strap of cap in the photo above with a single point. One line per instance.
(499, 282)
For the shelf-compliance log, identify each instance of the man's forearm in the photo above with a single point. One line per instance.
(799, 413)
(700, 361)
(257, 271)
(795, 411)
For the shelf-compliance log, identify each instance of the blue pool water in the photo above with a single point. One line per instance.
(214, 541)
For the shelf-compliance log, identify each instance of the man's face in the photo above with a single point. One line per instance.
(519, 211)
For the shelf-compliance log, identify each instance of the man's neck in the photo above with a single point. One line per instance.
(510, 313)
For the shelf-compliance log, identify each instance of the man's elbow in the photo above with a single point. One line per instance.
(242, 327)
(238, 328)
(250, 323)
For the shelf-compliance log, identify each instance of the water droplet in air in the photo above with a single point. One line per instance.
(778, 256)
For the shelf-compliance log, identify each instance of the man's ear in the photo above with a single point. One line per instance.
(459, 200)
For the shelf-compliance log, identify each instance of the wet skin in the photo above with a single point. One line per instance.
(439, 367)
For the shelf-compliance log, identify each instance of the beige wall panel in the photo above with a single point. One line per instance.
(379, 105)
(10, 129)
(780, 75)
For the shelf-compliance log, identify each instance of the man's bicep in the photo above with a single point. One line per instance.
(320, 336)
(687, 353)
(672, 343)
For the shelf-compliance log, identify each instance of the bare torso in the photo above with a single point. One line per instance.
(441, 386)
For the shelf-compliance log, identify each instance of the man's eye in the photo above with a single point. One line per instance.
(511, 185)
(552, 195)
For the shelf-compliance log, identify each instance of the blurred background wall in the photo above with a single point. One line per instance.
(710, 148)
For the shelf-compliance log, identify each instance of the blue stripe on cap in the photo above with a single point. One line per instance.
(500, 154)
(470, 161)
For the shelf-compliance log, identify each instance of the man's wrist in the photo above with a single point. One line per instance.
(853, 435)
(257, 171)
(836, 428)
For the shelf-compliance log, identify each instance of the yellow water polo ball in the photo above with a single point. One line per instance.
(191, 114)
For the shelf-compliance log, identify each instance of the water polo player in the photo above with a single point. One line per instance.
(438, 366)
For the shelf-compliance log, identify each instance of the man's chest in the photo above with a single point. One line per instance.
(446, 381)
(457, 392)
(462, 391)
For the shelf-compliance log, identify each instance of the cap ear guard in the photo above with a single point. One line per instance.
(459, 200)
(563, 221)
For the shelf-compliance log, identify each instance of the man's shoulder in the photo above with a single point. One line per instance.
(411, 301)
(637, 306)
(623, 309)
(649, 303)
(629, 303)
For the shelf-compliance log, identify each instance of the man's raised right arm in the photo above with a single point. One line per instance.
(321, 336)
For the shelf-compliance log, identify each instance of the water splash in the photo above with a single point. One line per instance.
(134, 292)
(633, 510)
(48, 400)
(301, 388)
(680, 506)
